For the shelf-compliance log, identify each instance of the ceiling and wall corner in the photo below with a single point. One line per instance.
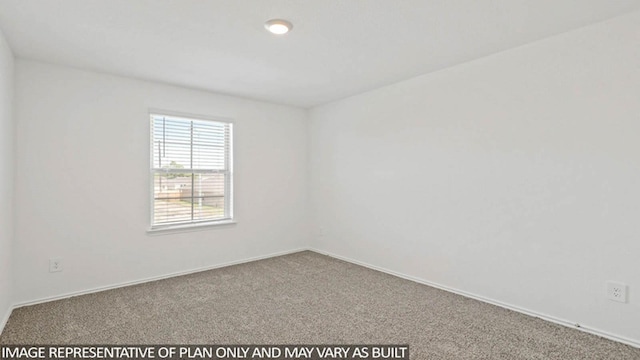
(336, 49)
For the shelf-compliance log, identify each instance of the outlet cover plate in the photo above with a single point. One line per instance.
(55, 265)
(617, 291)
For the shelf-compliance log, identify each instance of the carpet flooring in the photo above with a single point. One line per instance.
(303, 298)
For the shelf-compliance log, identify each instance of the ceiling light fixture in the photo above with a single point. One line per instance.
(278, 26)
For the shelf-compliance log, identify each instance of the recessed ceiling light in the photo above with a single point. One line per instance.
(278, 26)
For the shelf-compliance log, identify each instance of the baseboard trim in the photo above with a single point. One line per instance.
(518, 309)
(150, 279)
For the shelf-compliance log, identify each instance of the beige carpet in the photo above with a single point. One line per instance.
(303, 298)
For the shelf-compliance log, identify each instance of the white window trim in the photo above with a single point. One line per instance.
(194, 226)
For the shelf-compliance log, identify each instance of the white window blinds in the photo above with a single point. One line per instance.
(191, 167)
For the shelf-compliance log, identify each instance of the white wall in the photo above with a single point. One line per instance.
(515, 177)
(82, 181)
(7, 134)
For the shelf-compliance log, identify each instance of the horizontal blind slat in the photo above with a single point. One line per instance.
(190, 162)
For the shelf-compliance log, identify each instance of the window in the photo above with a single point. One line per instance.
(191, 171)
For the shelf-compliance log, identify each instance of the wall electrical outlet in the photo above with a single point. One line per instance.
(55, 265)
(617, 291)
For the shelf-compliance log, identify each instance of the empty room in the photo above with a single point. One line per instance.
(319, 179)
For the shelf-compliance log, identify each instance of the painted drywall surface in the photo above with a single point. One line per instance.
(82, 181)
(514, 177)
(7, 134)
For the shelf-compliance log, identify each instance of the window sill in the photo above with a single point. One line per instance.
(189, 227)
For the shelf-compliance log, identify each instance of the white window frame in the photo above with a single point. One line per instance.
(229, 195)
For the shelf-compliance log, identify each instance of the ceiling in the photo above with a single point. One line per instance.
(336, 48)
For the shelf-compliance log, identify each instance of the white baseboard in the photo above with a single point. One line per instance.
(521, 310)
(149, 279)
